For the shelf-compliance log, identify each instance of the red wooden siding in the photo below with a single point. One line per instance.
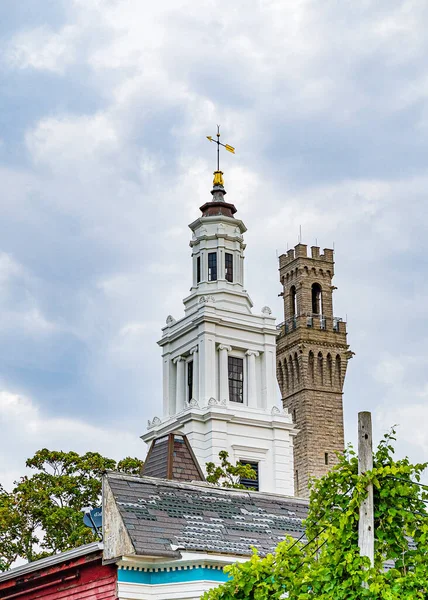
(85, 578)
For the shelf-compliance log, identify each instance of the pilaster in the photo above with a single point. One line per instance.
(180, 386)
(252, 381)
(195, 354)
(224, 369)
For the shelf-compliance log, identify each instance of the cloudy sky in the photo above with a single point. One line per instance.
(104, 109)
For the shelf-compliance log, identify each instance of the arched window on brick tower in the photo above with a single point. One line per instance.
(316, 299)
(280, 376)
(293, 301)
(320, 369)
(291, 367)
(337, 373)
(297, 367)
(329, 369)
(311, 367)
(287, 377)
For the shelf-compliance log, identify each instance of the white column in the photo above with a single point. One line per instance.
(204, 266)
(167, 408)
(223, 262)
(236, 267)
(194, 353)
(207, 367)
(252, 381)
(270, 393)
(224, 372)
(179, 398)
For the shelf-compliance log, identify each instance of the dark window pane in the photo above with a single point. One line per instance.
(236, 379)
(316, 299)
(251, 483)
(198, 269)
(190, 380)
(229, 267)
(293, 301)
(212, 266)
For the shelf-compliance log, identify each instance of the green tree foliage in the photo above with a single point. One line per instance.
(228, 475)
(43, 514)
(12, 532)
(326, 564)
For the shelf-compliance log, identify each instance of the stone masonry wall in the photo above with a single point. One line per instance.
(312, 357)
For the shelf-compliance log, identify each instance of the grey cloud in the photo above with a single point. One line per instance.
(107, 164)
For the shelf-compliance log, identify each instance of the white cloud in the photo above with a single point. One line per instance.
(391, 371)
(9, 268)
(132, 342)
(69, 140)
(19, 311)
(25, 429)
(326, 104)
(43, 49)
(410, 420)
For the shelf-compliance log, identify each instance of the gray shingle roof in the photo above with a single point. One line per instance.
(162, 516)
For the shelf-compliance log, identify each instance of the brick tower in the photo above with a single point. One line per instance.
(312, 356)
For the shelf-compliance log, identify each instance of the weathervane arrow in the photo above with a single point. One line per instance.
(218, 175)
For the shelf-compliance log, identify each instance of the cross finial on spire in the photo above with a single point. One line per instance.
(218, 175)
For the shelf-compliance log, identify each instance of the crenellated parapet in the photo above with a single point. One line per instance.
(301, 251)
(307, 283)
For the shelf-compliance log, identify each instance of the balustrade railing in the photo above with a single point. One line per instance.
(310, 320)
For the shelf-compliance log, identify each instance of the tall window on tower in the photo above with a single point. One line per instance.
(190, 380)
(198, 270)
(212, 266)
(293, 301)
(228, 263)
(316, 299)
(236, 379)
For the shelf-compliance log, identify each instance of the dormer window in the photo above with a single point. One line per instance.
(212, 266)
(228, 263)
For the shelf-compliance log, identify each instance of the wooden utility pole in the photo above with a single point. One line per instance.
(365, 463)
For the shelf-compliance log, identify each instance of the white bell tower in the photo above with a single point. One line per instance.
(219, 365)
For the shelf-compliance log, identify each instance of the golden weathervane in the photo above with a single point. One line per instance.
(218, 175)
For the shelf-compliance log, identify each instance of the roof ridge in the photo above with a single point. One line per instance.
(51, 560)
(202, 484)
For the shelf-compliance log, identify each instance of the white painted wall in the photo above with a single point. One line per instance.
(246, 434)
(190, 590)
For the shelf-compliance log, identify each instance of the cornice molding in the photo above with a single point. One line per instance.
(203, 316)
(220, 412)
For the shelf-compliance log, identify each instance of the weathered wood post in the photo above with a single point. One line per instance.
(365, 463)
